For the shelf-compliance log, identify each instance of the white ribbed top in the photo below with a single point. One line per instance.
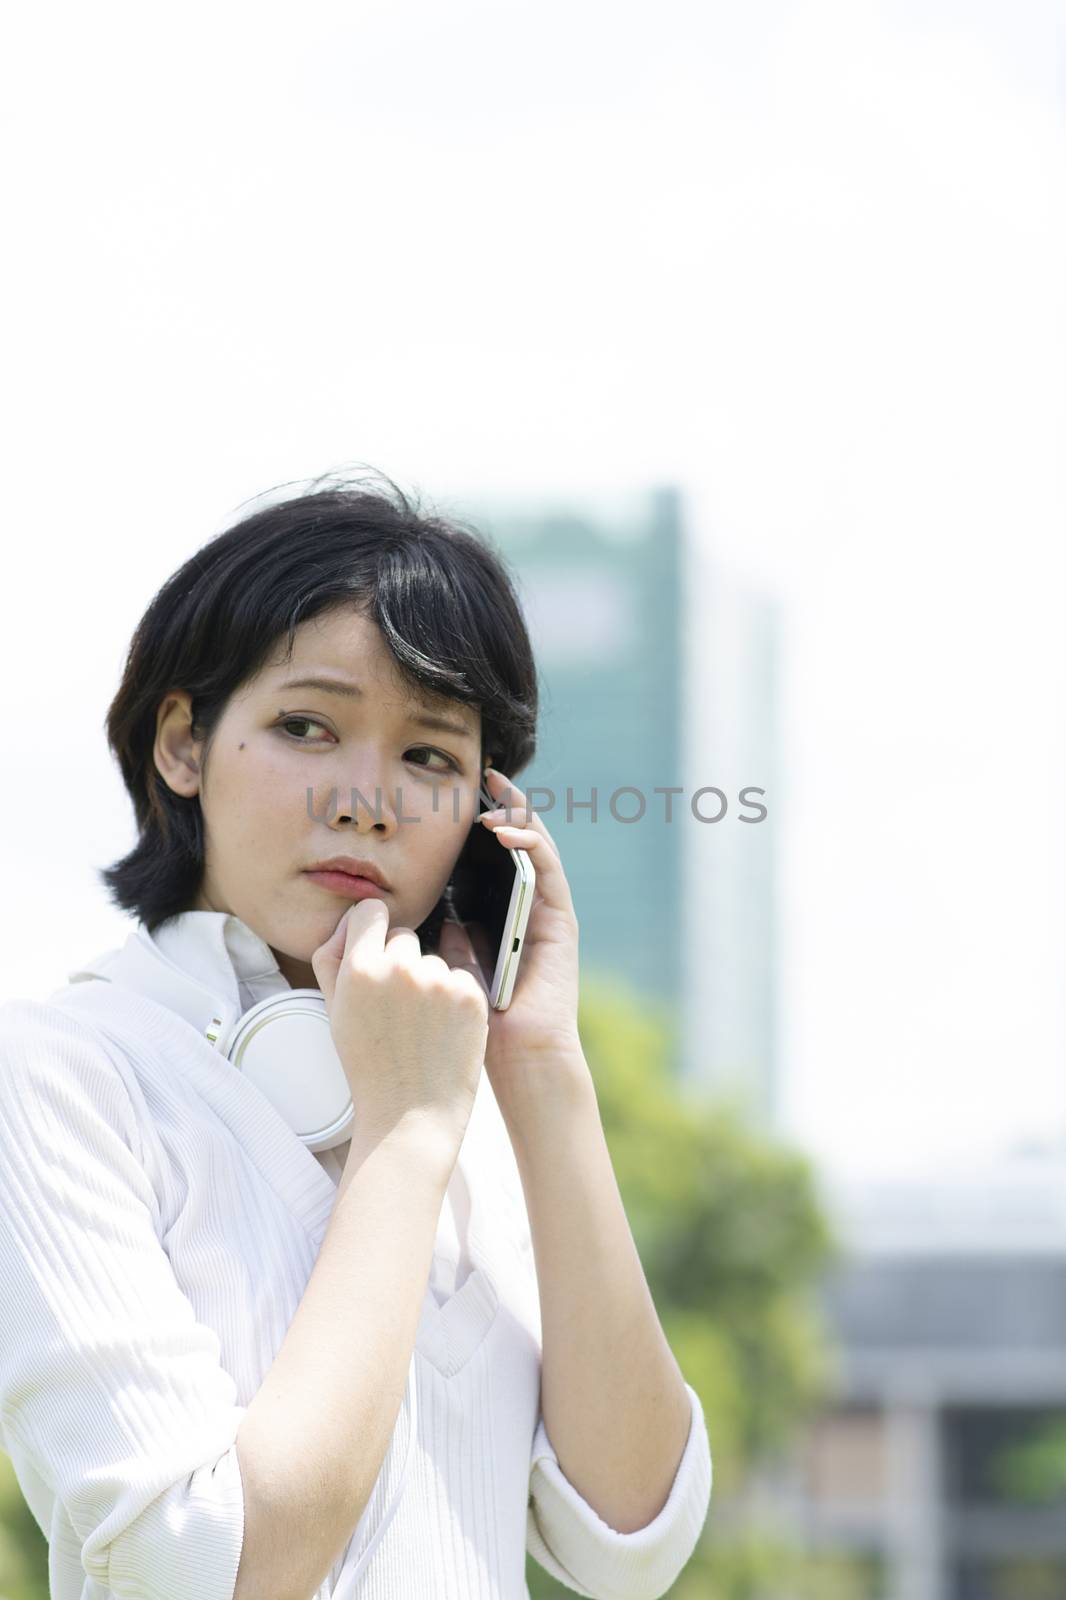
(159, 1221)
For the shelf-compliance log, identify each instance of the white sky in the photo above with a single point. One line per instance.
(806, 260)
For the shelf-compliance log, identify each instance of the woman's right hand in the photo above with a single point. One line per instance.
(410, 1030)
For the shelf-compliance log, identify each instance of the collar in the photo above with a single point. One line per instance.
(224, 965)
(222, 953)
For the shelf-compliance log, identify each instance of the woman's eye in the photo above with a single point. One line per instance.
(303, 722)
(450, 765)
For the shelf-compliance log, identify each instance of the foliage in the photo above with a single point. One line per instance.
(23, 1550)
(1033, 1471)
(733, 1242)
(729, 1229)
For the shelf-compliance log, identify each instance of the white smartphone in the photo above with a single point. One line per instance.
(493, 888)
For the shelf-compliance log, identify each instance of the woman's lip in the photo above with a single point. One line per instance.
(345, 883)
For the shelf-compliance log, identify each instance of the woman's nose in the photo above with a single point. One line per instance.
(366, 794)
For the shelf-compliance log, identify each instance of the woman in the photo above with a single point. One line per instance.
(208, 1325)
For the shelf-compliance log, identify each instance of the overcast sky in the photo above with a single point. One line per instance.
(806, 261)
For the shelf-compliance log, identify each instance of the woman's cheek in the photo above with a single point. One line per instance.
(451, 807)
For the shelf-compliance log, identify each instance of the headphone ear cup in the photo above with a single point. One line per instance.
(274, 1034)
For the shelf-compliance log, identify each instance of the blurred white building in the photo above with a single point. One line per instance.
(732, 742)
(943, 1456)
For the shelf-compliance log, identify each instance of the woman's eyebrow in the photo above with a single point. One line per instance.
(352, 691)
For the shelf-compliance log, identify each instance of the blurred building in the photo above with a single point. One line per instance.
(733, 744)
(943, 1457)
(600, 583)
(658, 675)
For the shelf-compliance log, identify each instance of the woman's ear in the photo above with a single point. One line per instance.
(176, 753)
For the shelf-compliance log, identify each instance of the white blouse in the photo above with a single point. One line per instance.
(159, 1221)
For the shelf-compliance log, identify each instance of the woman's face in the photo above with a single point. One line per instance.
(278, 753)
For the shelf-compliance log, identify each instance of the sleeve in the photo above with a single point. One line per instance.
(567, 1537)
(112, 1394)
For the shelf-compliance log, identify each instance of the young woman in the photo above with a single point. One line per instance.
(234, 1365)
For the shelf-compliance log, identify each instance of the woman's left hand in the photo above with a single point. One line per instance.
(540, 1024)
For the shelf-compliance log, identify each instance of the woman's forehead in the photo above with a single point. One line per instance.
(344, 652)
(448, 714)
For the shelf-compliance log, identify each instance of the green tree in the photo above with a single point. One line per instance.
(23, 1549)
(734, 1243)
(1033, 1470)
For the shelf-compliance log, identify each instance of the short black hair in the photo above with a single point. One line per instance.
(438, 589)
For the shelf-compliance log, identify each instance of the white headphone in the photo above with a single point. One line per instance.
(284, 1045)
(262, 1042)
